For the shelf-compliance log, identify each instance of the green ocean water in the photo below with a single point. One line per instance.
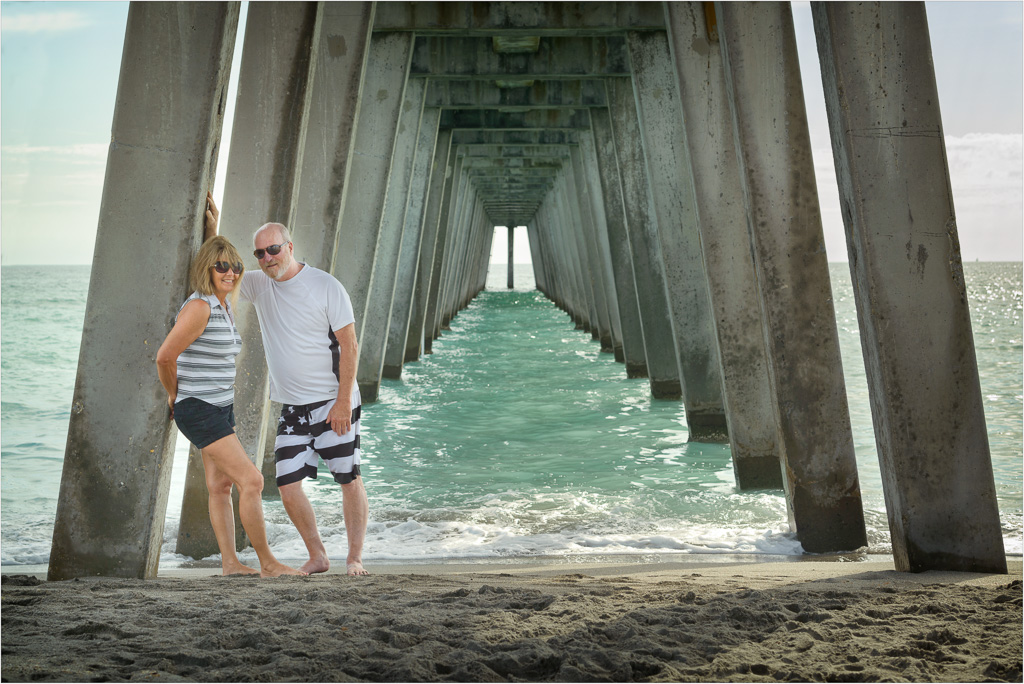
(516, 437)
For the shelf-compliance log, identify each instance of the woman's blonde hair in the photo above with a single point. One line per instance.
(217, 248)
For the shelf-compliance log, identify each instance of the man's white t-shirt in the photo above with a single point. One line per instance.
(298, 318)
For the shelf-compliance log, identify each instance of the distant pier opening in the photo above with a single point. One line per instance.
(510, 259)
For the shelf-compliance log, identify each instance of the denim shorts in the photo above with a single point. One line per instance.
(203, 423)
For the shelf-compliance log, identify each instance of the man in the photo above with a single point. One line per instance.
(309, 337)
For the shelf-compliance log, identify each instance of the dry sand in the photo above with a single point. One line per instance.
(796, 621)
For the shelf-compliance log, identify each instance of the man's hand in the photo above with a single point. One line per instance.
(212, 217)
(340, 415)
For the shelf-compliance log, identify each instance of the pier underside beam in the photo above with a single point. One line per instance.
(909, 286)
(162, 159)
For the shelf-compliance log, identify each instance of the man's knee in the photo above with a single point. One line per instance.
(355, 485)
(291, 491)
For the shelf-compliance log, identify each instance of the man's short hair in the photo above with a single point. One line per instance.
(286, 236)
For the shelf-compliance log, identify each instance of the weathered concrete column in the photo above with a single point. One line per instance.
(160, 164)
(343, 45)
(634, 356)
(463, 227)
(566, 226)
(774, 152)
(589, 167)
(671, 184)
(592, 269)
(412, 238)
(417, 339)
(539, 275)
(549, 256)
(478, 241)
(477, 280)
(343, 48)
(908, 281)
(644, 244)
(591, 244)
(511, 269)
(431, 322)
(362, 207)
(726, 248)
(585, 274)
(554, 225)
(381, 294)
(279, 57)
(457, 226)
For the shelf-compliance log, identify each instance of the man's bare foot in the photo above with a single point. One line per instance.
(279, 569)
(315, 565)
(237, 568)
(356, 568)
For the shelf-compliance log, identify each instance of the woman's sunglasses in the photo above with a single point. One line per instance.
(272, 250)
(224, 267)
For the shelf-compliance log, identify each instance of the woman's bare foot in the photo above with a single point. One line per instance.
(315, 565)
(279, 569)
(237, 568)
(356, 568)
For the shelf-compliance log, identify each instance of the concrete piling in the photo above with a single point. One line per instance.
(805, 370)
(671, 185)
(909, 287)
(376, 128)
(725, 247)
(161, 161)
(390, 238)
(633, 353)
(644, 244)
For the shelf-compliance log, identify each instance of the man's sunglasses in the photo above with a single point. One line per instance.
(272, 250)
(224, 267)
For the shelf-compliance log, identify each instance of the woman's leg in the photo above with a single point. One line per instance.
(222, 517)
(229, 458)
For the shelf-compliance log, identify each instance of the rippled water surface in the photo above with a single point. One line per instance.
(516, 437)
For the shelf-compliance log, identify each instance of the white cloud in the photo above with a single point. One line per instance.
(986, 173)
(50, 22)
(89, 151)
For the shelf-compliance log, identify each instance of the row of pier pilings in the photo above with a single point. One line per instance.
(658, 154)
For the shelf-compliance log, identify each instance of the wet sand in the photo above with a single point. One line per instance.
(794, 621)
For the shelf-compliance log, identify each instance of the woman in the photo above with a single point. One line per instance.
(196, 364)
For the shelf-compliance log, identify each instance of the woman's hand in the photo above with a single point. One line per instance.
(212, 217)
(170, 404)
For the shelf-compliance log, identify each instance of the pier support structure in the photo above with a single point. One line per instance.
(909, 286)
(726, 249)
(161, 162)
(657, 154)
(773, 146)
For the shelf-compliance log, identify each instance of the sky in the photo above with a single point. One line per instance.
(59, 66)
